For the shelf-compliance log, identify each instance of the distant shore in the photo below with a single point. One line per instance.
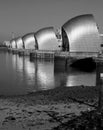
(46, 109)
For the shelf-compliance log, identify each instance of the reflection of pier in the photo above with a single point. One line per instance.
(36, 74)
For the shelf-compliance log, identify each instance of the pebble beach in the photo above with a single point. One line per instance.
(46, 110)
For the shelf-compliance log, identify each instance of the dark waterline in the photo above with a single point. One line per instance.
(19, 75)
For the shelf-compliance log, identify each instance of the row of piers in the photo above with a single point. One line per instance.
(62, 59)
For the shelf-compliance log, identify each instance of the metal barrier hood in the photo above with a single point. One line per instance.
(46, 39)
(13, 44)
(19, 43)
(80, 34)
(29, 41)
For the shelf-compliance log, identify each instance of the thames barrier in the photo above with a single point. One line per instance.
(79, 39)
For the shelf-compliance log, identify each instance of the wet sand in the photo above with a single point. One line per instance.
(47, 109)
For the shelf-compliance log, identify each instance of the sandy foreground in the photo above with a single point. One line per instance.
(47, 109)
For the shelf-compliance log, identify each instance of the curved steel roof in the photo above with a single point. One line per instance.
(7, 43)
(19, 43)
(29, 41)
(80, 34)
(13, 43)
(46, 39)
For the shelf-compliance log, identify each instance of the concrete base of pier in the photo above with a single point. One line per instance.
(14, 51)
(42, 55)
(25, 52)
(21, 52)
(62, 61)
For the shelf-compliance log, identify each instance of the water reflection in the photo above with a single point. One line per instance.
(73, 77)
(29, 69)
(20, 75)
(37, 74)
(81, 79)
(45, 75)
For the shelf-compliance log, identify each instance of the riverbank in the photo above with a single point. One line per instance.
(47, 109)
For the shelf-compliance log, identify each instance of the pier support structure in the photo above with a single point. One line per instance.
(99, 81)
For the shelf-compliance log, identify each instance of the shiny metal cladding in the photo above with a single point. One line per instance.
(13, 44)
(29, 41)
(80, 34)
(46, 39)
(19, 43)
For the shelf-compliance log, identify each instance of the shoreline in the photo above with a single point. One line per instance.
(46, 109)
(62, 94)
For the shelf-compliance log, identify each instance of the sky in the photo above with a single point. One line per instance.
(25, 16)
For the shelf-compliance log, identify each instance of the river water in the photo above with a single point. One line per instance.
(20, 75)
